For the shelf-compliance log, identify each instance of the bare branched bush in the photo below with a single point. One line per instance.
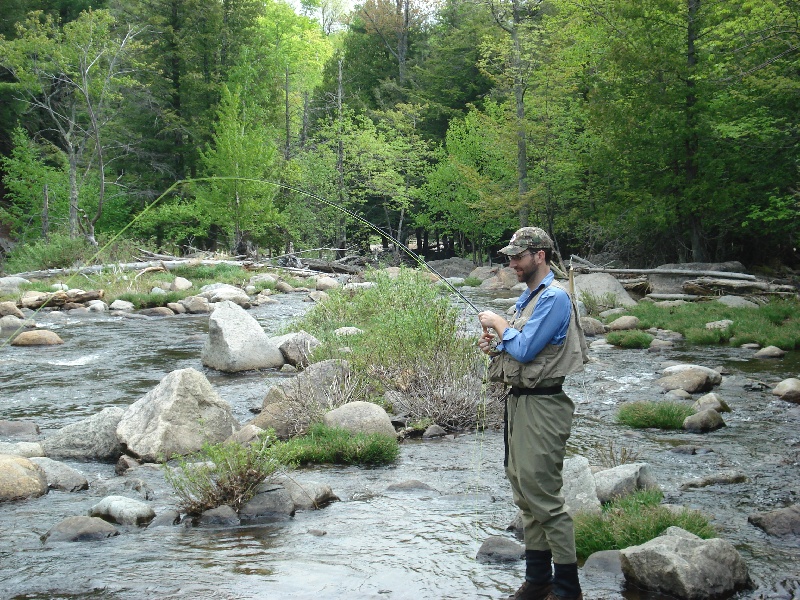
(611, 456)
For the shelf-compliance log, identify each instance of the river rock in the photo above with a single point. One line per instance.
(157, 311)
(496, 548)
(323, 284)
(580, 487)
(18, 429)
(169, 518)
(246, 435)
(723, 478)
(263, 278)
(10, 285)
(178, 416)
(679, 393)
(284, 417)
(236, 342)
(20, 478)
(310, 386)
(39, 337)
(221, 516)
(624, 480)
(317, 296)
(122, 510)
(94, 438)
(781, 522)
(122, 305)
(180, 284)
(97, 306)
(711, 401)
(10, 309)
(284, 287)
(690, 378)
(683, 565)
(592, 327)
(125, 464)
(434, 431)
(601, 285)
(360, 417)
(657, 345)
(61, 476)
(624, 323)
(271, 501)
(308, 495)
(704, 421)
(80, 529)
(789, 390)
(12, 323)
(736, 302)
(770, 352)
(714, 376)
(723, 324)
(196, 305)
(296, 347)
(24, 449)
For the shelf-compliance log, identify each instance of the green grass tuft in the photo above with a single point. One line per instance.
(661, 415)
(629, 338)
(328, 445)
(633, 520)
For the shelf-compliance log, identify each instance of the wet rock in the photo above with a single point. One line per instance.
(624, 480)
(236, 342)
(168, 518)
(296, 347)
(80, 529)
(753, 385)
(178, 416)
(61, 476)
(781, 522)
(221, 516)
(158, 311)
(20, 478)
(270, 501)
(18, 429)
(690, 381)
(657, 345)
(39, 337)
(711, 401)
(94, 438)
(785, 589)
(681, 564)
(122, 510)
(360, 417)
(724, 478)
(434, 431)
(706, 420)
(789, 390)
(713, 375)
(309, 495)
(125, 464)
(412, 485)
(770, 352)
(496, 548)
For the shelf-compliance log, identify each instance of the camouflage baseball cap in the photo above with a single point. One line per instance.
(527, 237)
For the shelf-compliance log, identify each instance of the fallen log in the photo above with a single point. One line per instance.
(718, 274)
(331, 267)
(706, 286)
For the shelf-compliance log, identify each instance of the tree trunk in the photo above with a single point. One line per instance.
(692, 141)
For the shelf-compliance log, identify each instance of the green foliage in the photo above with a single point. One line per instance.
(634, 520)
(595, 304)
(411, 343)
(774, 324)
(330, 445)
(660, 415)
(472, 281)
(221, 474)
(221, 273)
(151, 300)
(629, 338)
(59, 252)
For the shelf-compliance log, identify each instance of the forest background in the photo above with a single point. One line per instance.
(648, 131)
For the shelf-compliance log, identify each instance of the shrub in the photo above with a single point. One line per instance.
(610, 456)
(633, 520)
(330, 445)
(150, 300)
(662, 415)
(59, 252)
(629, 338)
(472, 281)
(595, 304)
(221, 474)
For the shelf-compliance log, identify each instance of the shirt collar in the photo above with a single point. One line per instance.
(529, 293)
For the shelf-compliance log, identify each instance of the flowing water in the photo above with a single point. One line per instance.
(374, 543)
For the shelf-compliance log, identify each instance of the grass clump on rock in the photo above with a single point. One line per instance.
(629, 338)
(412, 344)
(634, 520)
(660, 415)
(332, 445)
(774, 324)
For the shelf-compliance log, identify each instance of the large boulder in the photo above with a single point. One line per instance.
(690, 378)
(11, 285)
(360, 417)
(781, 522)
(313, 386)
(20, 478)
(38, 337)
(270, 502)
(680, 564)
(224, 292)
(61, 476)
(624, 480)
(236, 342)
(309, 495)
(789, 390)
(178, 416)
(703, 421)
(94, 438)
(10, 309)
(601, 286)
(580, 488)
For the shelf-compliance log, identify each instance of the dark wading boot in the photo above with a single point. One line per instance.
(531, 591)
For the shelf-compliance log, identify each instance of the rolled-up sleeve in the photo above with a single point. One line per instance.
(548, 325)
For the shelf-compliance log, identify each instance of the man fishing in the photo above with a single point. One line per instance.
(541, 344)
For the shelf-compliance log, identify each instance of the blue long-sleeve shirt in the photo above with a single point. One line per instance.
(548, 323)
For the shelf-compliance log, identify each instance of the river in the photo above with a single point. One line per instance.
(376, 543)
